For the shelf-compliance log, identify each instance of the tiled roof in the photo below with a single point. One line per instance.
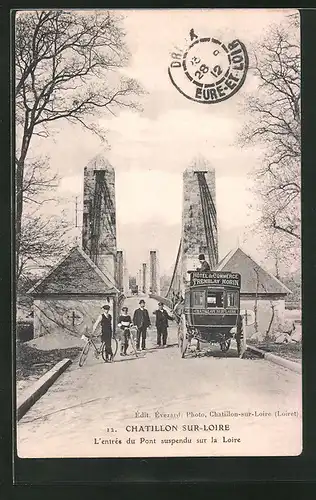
(74, 274)
(253, 277)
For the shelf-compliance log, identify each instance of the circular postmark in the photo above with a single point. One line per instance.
(209, 71)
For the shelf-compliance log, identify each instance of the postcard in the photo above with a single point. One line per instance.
(158, 233)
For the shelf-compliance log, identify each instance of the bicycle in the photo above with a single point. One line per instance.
(90, 341)
(131, 338)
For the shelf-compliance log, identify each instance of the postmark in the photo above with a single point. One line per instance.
(207, 70)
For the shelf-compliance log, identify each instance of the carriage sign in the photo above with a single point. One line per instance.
(215, 278)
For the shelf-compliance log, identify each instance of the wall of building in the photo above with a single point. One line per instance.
(54, 315)
(264, 314)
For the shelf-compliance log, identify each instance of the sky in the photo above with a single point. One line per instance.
(150, 149)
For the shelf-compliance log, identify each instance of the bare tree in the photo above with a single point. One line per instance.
(43, 239)
(38, 181)
(282, 251)
(274, 124)
(65, 64)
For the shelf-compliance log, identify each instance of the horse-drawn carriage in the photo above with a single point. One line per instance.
(210, 311)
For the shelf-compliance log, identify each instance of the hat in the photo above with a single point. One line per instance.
(124, 308)
(201, 256)
(142, 301)
(106, 306)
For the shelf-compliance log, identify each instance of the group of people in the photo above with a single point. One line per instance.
(141, 321)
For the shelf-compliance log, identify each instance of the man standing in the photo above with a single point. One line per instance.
(162, 318)
(204, 265)
(142, 322)
(105, 319)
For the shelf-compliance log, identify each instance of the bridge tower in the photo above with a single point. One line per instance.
(99, 215)
(199, 218)
(144, 278)
(154, 278)
(199, 225)
(139, 279)
(121, 272)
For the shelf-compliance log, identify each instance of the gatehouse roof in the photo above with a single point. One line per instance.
(75, 274)
(254, 278)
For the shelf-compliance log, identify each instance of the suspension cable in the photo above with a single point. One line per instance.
(175, 269)
(209, 218)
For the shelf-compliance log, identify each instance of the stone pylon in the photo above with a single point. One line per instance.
(121, 272)
(194, 239)
(139, 279)
(145, 281)
(154, 277)
(99, 215)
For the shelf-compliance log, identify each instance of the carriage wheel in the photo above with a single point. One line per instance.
(183, 344)
(179, 336)
(225, 345)
(238, 341)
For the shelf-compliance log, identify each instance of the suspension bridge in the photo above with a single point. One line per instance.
(101, 402)
(198, 234)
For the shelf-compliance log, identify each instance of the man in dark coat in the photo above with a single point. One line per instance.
(142, 321)
(204, 265)
(105, 319)
(162, 318)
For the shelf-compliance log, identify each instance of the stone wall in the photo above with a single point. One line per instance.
(264, 314)
(55, 315)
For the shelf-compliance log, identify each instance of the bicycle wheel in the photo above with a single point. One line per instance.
(84, 354)
(114, 345)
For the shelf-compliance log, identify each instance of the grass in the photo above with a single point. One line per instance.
(31, 362)
(293, 352)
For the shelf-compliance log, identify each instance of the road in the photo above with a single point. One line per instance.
(89, 411)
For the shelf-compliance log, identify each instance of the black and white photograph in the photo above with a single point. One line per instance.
(157, 233)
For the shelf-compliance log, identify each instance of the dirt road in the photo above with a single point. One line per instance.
(158, 404)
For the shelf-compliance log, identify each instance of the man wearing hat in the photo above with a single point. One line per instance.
(204, 265)
(162, 318)
(142, 321)
(105, 319)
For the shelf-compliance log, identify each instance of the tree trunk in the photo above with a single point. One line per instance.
(270, 324)
(19, 206)
(19, 188)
